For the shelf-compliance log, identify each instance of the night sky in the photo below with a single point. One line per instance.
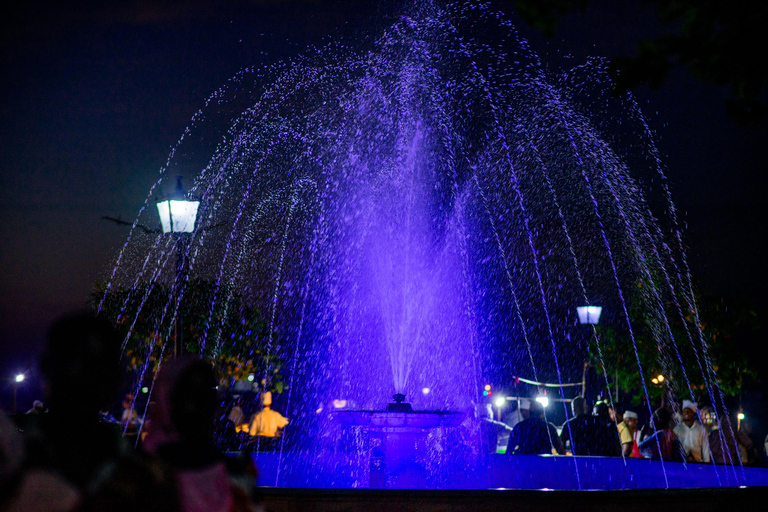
(94, 95)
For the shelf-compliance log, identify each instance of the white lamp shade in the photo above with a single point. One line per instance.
(177, 216)
(589, 314)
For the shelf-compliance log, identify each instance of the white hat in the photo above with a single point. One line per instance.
(687, 404)
(630, 414)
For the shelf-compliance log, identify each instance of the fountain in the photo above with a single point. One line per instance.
(398, 439)
(422, 214)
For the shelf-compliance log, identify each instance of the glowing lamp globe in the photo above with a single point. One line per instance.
(178, 214)
(589, 314)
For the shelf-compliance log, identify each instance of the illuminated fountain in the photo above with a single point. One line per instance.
(425, 212)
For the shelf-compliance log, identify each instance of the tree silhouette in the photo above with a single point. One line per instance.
(723, 43)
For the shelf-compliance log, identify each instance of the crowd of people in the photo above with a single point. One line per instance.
(63, 456)
(687, 434)
(69, 459)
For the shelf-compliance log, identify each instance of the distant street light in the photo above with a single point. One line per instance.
(178, 214)
(543, 400)
(16, 381)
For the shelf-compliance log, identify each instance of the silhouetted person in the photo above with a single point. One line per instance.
(662, 444)
(585, 434)
(534, 435)
(182, 437)
(606, 415)
(745, 434)
(727, 447)
(37, 408)
(29, 489)
(80, 369)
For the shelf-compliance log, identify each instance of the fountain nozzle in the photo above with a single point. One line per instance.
(400, 404)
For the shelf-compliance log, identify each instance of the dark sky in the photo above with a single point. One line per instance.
(94, 95)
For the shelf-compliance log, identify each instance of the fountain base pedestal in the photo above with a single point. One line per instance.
(398, 442)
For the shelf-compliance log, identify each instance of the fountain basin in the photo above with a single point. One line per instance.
(554, 472)
(398, 443)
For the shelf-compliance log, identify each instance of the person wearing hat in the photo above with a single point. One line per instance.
(692, 434)
(265, 426)
(628, 434)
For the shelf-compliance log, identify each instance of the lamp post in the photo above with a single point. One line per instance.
(16, 381)
(588, 315)
(177, 216)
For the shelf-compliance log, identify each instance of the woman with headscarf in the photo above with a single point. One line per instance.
(182, 437)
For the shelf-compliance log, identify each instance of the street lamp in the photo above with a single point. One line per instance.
(16, 381)
(177, 216)
(589, 315)
(178, 212)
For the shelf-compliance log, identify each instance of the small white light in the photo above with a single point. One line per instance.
(543, 400)
(500, 401)
(589, 314)
(425, 391)
(741, 415)
(251, 377)
(339, 404)
(20, 377)
(145, 389)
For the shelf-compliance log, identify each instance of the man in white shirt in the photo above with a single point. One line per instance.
(692, 434)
